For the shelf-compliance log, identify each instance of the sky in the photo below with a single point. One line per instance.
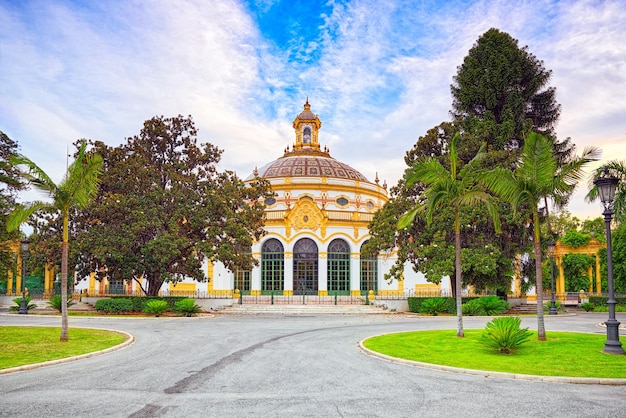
(376, 72)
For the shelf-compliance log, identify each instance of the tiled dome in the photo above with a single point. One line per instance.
(309, 166)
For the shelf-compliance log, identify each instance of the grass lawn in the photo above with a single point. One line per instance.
(27, 345)
(563, 354)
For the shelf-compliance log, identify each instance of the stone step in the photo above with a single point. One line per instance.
(260, 309)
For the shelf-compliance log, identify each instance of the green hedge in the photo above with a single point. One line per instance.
(416, 302)
(602, 300)
(119, 304)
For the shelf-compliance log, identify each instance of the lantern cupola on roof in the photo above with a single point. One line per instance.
(306, 126)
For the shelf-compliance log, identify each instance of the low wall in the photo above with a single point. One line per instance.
(394, 305)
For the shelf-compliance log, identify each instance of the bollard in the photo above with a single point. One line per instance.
(272, 298)
(335, 298)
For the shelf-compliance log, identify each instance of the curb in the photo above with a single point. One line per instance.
(502, 375)
(129, 341)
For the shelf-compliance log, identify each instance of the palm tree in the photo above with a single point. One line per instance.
(617, 169)
(77, 189)
(537, 176)
(456, 189)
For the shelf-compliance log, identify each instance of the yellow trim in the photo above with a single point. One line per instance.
(209, 272)
(322, 292)
(287, 292)
(355, 293)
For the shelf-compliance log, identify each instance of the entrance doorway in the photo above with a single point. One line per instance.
(305, 267)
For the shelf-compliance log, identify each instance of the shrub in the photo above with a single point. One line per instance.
(504, 334)
(433, 306)
(559, 306)
(18, 304)
(493, 305)
(55, 302)
(156, 307)
(187, 307)
(473, 307)
(587, 306)
(114, 305)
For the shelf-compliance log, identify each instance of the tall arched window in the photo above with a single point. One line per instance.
(305, 267)
(272, 266)
(369, 273)
(338, 266)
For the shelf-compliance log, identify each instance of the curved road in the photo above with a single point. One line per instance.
(284, 366)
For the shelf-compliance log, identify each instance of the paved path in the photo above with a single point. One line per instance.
(284, 366)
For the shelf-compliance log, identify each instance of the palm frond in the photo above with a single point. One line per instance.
(22, 212)
(33, 174)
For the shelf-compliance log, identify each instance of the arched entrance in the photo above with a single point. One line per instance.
(305, 267)
(338, 267)
(369, 273)
(272, 266)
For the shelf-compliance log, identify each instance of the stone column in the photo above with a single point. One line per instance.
(322, 273)
(288, 272)
(355, 274)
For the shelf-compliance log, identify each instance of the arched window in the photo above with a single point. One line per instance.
(272, 266)
(305, 267)
(306, 135)
(338, 266)
(369, 273)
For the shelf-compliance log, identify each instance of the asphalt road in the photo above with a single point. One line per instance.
(284, 366)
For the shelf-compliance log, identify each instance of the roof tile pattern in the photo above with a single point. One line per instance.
(310, 166)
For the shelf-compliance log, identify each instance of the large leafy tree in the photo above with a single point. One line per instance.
(164, 208)
(537, 175)
(456, 187)
(9, 186)
(501, 92)
(430, 247)
(76, 190)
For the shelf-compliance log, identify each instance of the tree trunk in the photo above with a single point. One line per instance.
(64, 257)
(541, 329)
(457, 267)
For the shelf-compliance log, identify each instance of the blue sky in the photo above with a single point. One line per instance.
(377, 72)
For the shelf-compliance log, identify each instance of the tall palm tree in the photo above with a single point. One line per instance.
(77, 189)
(456, 188)
(617, 169)
(537, 176)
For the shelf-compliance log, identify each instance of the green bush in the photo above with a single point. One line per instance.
(433, 306)
(602, 300)
(156, 307)
(472, 307)
(493, 305)
(559, 306)
(55, 302)
(504, 334)
(486, 305)
(115, 305)
(18, 304)
(587, 306)
(139, 302)
(187, 307)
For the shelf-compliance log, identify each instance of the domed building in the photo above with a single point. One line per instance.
(316, 223)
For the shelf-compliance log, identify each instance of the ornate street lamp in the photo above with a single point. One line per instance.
(23, 305)
(550, 245)
(606, 185)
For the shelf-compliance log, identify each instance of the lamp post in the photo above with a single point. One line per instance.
(550, 245)
(606, 185)
(23, 305)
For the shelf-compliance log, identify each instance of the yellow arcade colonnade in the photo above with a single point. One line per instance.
(592, 248)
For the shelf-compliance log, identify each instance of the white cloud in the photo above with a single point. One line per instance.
(380, 78)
